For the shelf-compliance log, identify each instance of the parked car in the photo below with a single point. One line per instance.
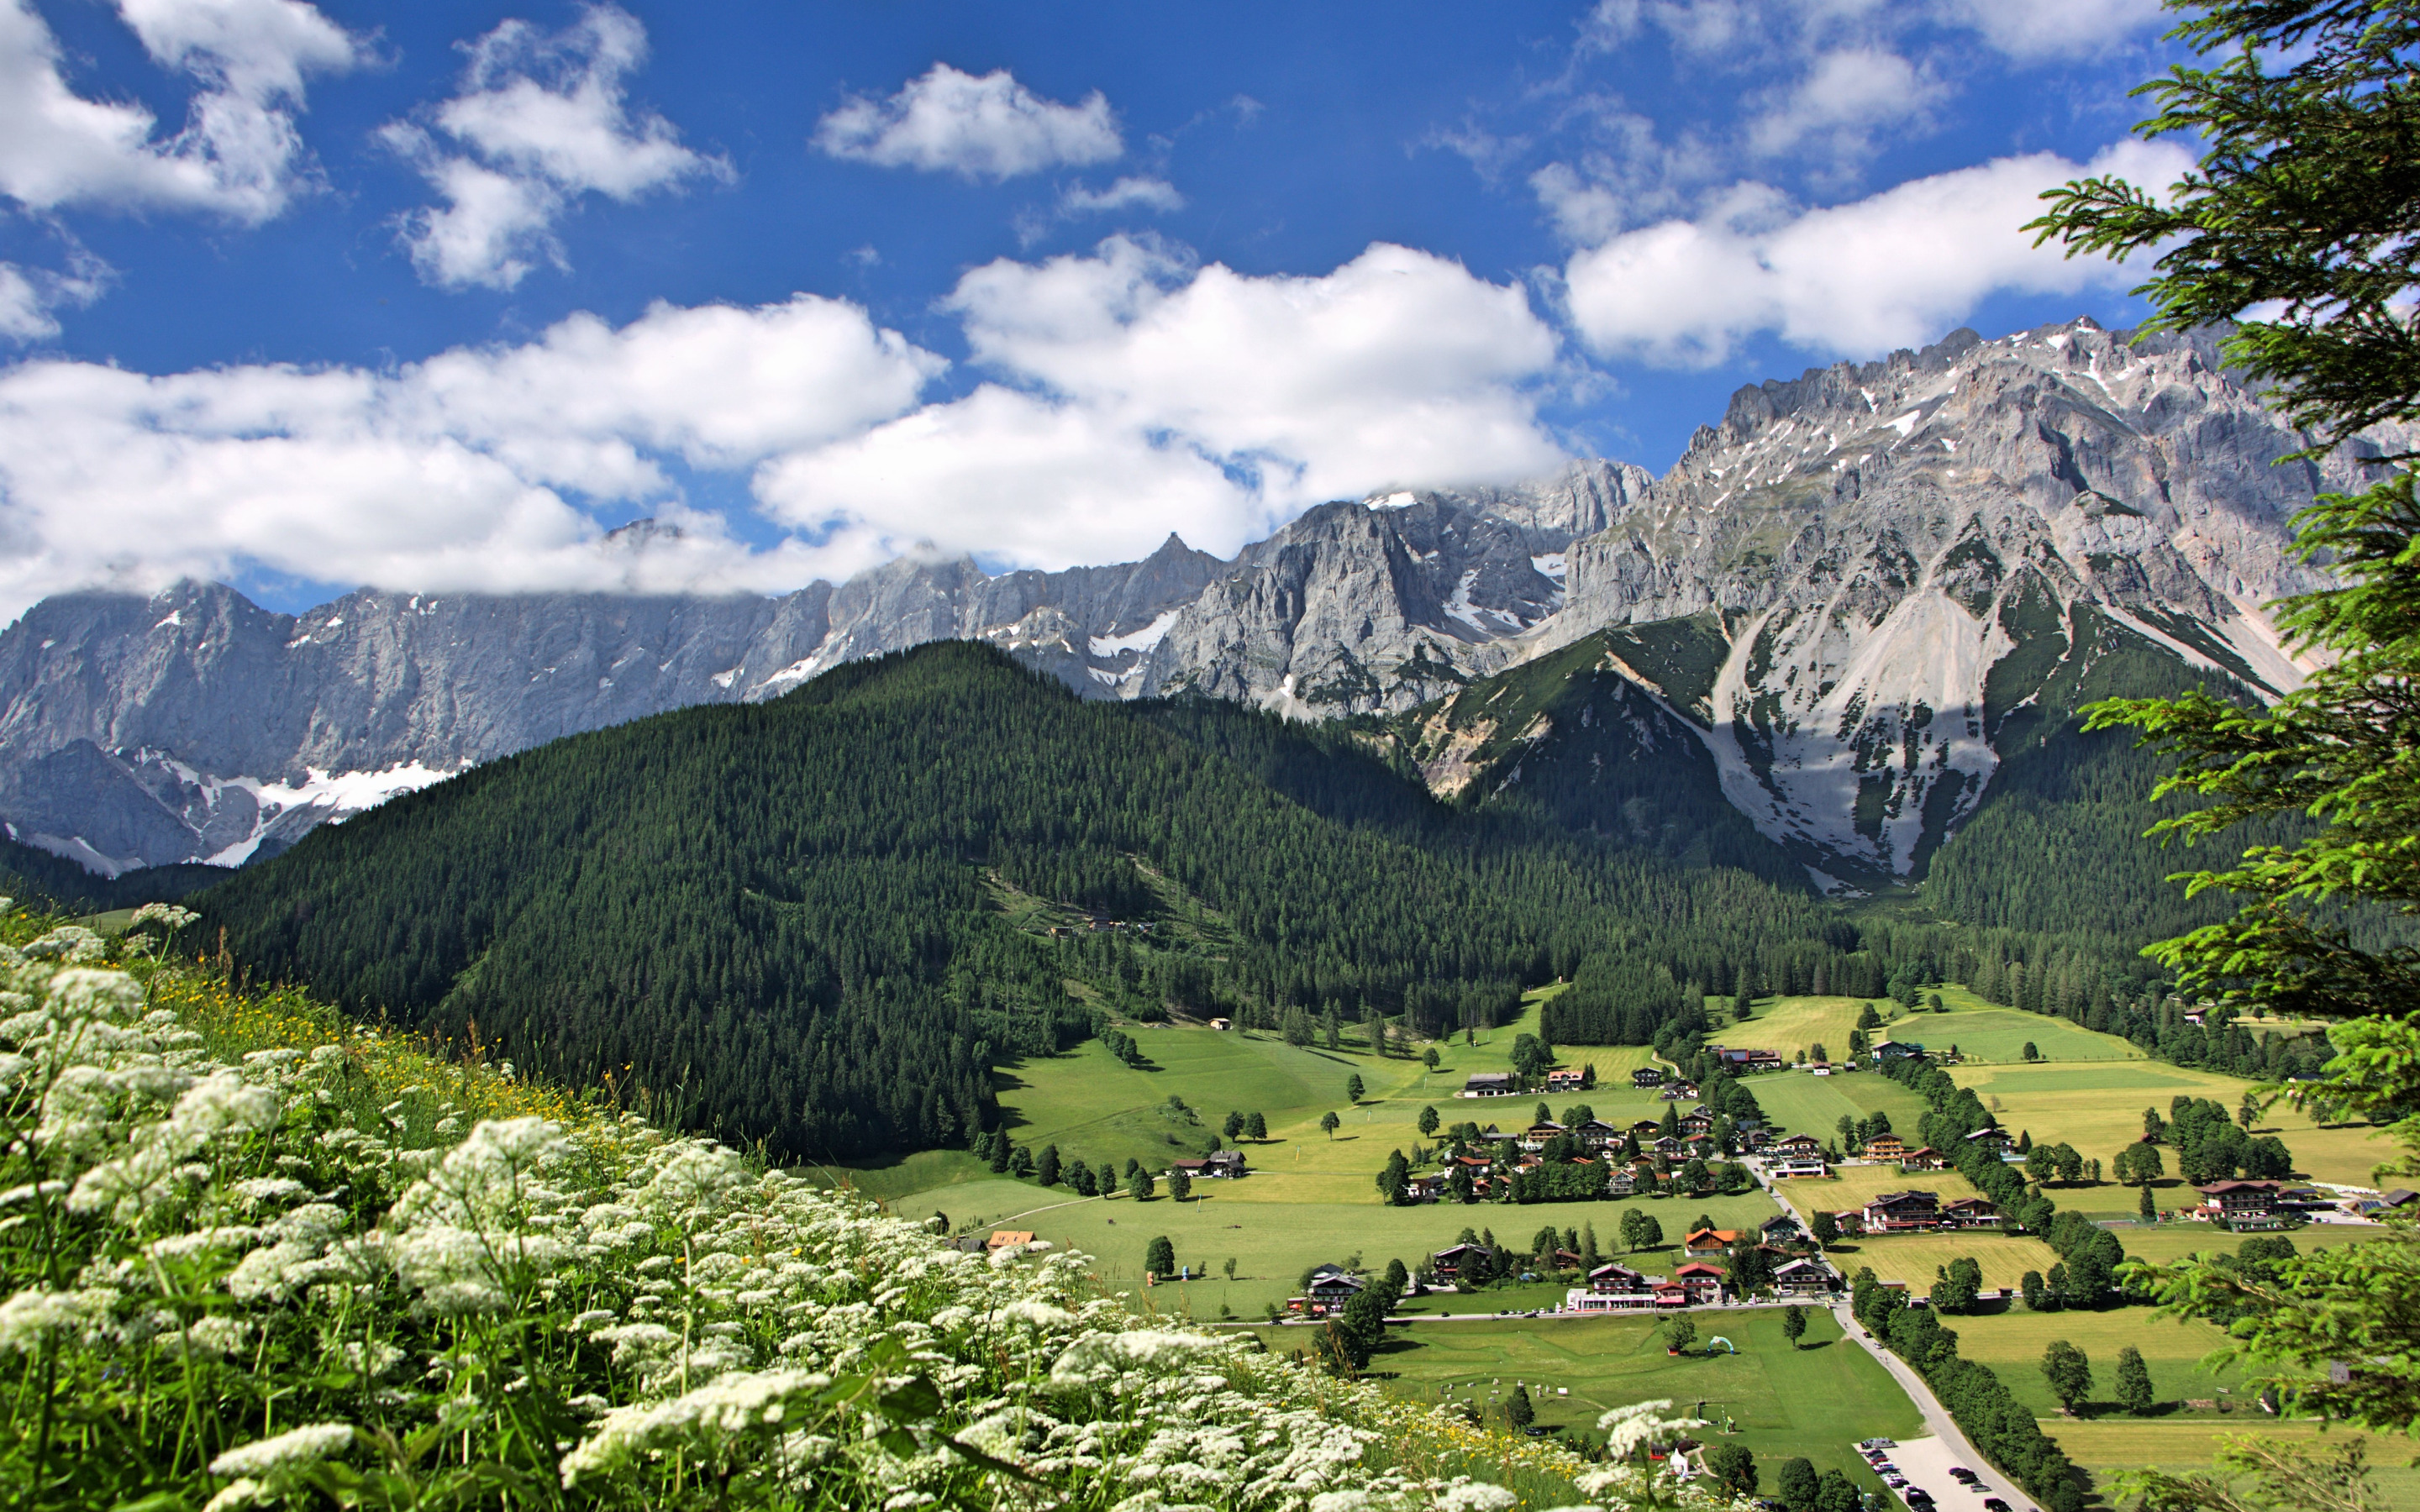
(1895, 1480)
(1960, 1472)
(1992, 1503)
(1918, 1496)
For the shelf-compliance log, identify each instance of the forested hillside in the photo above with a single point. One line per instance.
(791, 915)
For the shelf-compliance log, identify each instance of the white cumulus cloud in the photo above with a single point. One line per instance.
(2040, 29)
(986, 127)
(1847, 97)
(1893, 270)
(469, 470)
(238, 155)
(29, 296)
(1126, 194)
(1141, 396)
(542, 119)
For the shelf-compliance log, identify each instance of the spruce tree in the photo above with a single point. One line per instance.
(2134, 1382)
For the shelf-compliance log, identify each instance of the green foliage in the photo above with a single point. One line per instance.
(1798, 1483)
(1793, 1323)
(1680, 1333)
(2068, 1371)
(1733, 1467)
(2133, 1382)
(1960, 1284)
(1160, 1257)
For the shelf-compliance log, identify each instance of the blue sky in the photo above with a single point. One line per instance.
(432, 297)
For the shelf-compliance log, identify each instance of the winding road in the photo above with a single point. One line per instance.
(1914, 1463)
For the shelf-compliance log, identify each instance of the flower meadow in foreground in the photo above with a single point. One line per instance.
(257, 1284)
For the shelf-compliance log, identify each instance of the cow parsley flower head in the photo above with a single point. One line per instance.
(1099, 1358)
(288, 1450)
(702, 1423)
(221, 1103)
(26, 1318)
(70, 943)
(1628, 1429)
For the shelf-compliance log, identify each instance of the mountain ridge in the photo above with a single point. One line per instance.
(1865, 547)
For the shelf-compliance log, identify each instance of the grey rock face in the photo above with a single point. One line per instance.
(1386, 604)
(1833, 572)
(196, 726)
(1876, 538)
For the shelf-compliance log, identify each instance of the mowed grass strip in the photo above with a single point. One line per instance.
(2012, 1342)
(1815, 1400)
(2162, 1243)
(1802, 1103)
(1788, 1025)
(1918, 1260)
(2099, 1109)
(2182, 1445)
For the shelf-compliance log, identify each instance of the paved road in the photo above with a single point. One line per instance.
(1924, 1467)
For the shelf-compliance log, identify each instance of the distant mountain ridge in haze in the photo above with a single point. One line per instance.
(1830, 603)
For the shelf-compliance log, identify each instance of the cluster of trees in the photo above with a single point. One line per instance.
(2212, 1146)
(1122, 1046)
(1348, 1340)
(1978, 1401)
(2068, 1372)
(2061, 1161)
(1797, 1487)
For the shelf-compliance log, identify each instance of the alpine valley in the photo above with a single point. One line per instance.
(1852, 618)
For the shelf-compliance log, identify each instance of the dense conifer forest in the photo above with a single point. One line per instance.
(794, 918)
(820, 921)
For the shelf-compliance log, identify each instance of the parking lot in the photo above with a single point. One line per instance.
(1926, 1462)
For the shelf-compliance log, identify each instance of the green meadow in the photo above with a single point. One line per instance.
(1273, 1241)
(1815, 1400)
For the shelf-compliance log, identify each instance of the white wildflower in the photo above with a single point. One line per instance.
(712, 1417)
(1100, 1357)
(244, 1492)
(31, 1314)
(1476, 1496)
(296, 1446)
(70, 943)
(1628, 1429)
(263, 1190)
(216, 1336)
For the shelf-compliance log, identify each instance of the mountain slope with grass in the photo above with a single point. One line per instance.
(817, 921)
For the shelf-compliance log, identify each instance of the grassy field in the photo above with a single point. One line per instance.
(2099, 1109)
(2011, 1343)
(1813, 1401)
(1918, 1258)
(1273, 1243)
(2187, 1443)
(2174, 1242)
(1854, 1186)
(1983, 1032)
(1792, 1026)
(1804, 1103)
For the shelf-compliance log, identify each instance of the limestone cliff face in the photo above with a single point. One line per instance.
(1876, 540)
(1825, 601)
(1385, 603)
